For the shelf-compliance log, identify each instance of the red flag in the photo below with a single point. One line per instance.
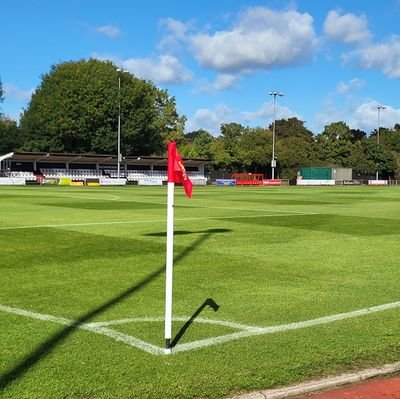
(176, 169)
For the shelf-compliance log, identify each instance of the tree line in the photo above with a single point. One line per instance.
(75, 109)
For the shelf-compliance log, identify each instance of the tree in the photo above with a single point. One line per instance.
(230, 136)
(358, 159)
(291, 127)
(254, 150)
(293, 153)
(10, 139)
(1, 95)
(199, 144)
(335, 143)
(383, 159)
(76, 106)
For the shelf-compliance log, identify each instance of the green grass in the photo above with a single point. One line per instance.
(266, 256)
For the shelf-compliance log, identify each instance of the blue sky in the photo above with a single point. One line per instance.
(333, 60)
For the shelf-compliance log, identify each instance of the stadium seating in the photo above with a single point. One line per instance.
(133, 175)
(73, 173)
(29, 176)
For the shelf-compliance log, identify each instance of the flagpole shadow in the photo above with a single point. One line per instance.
(46, 347)
(208, 302)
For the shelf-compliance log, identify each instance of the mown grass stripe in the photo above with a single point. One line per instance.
(38, 226)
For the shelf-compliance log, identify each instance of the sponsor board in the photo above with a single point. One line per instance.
(150, 182)
(12, 181)
(112, 182)
(76, 183)
(272, 182)
(50, 180)
(225, 182)
(199, 182)
(377, 182)
(313, 182)
(65, 181)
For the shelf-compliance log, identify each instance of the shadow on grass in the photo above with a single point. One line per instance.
(52, 342)
(186, 232)
(208, 302)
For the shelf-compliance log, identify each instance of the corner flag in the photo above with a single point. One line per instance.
(176, 169)
(176, 174)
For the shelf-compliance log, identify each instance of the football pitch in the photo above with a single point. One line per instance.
(272, 286)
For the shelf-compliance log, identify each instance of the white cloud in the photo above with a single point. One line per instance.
(109, 30)
(222, 82)
(262, 39)
(345, 87)
(360, 114)
(383, 56)
(366, 116)
(210, 119)
(177, 32)
(265, 114)
(15, 93)
(347, 28)
(165, 69)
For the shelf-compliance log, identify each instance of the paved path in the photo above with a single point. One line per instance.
(376, 383)
(379, 389)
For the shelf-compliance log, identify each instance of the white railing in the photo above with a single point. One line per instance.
(132, 175)
(136, 175)
(29, 176)
(73, 173)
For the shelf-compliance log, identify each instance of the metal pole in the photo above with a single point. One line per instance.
(377, 137)
(273, 160)
(273, 141)
(119, 124)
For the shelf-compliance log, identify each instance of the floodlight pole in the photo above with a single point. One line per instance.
(119, 124)
(377, 137)
(273, 160)
(119, 156)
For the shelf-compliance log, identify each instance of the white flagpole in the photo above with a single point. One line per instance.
(169, 267)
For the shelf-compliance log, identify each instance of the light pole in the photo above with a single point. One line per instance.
(119, 156)
(379, 107)
(273, 161)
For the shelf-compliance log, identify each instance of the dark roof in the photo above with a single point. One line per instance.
(99, 158)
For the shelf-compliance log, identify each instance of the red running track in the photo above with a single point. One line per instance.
(377, 389)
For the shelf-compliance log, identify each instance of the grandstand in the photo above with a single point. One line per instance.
(37, 167)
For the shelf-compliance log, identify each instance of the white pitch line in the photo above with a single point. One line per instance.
(37, 226)
(116, 335)
(200, 320)
(247, 331)
(285, 327)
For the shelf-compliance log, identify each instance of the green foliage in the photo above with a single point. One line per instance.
(76, 107)
(291, 127)
(292, 153)
(254, 150)
(10, 138)
(1, 93)
(199, 144)
(335, 143)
